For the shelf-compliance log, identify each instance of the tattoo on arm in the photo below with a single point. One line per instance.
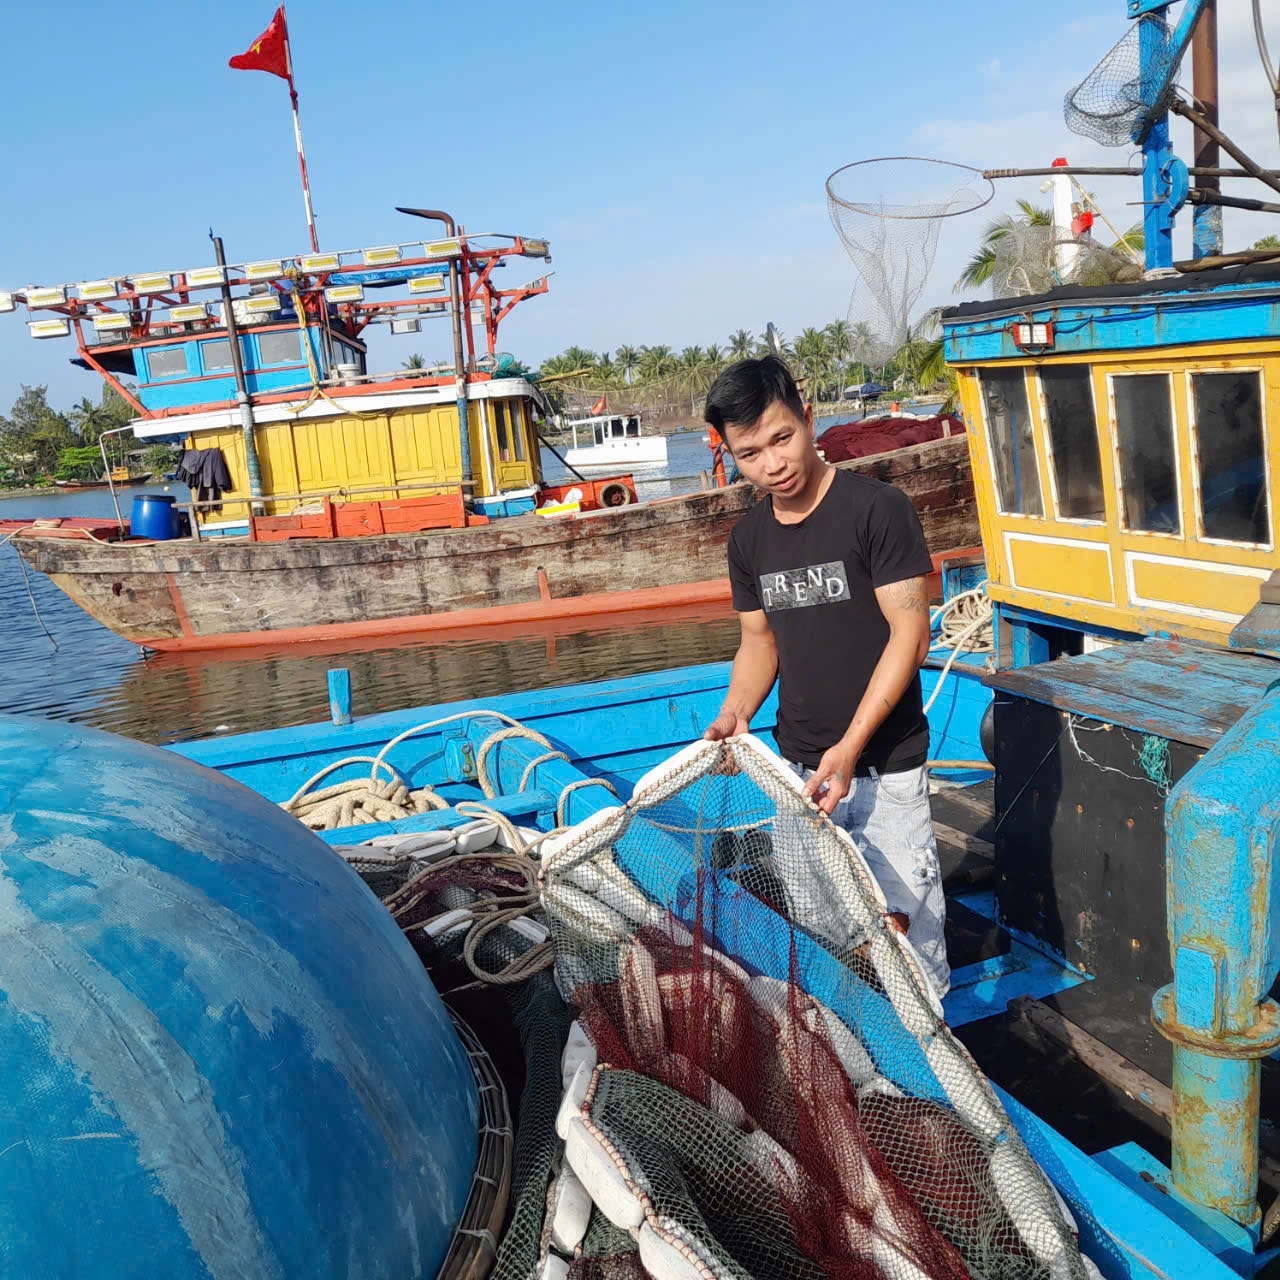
(909, 595)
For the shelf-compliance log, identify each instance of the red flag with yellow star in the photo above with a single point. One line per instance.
(269, 52)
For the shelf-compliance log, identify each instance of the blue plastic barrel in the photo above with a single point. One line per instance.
(219, 1056)
(153, 516)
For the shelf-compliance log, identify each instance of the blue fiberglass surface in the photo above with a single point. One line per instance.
(220, 1057)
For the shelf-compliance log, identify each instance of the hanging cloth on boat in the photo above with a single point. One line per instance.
(205, 471)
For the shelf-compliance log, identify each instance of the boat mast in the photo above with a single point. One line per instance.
(237, 365)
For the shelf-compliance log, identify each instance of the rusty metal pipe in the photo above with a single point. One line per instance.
(459, 360)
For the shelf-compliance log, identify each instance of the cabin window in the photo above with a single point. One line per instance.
(1229, 450)
(501, 430)
(1013, 446)
(1073, 441)
(167, 362)
(599, 432)
(279, 348)
(633, 426)
(215, 355)
(618, 427)
(518, 426)
(1144, 445)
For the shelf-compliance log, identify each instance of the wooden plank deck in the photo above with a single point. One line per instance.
(1168, 688)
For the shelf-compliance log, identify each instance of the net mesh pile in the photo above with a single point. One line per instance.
(892, 240)
(1026, 261)
(775, 1092)
(1117, 101)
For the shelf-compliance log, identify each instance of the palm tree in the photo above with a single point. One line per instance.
(581, 358)
(742, 343)
(415, 361)
(627, 359)
(657, 362)
(89, 420)
(813, 353)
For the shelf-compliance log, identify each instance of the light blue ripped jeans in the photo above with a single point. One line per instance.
(888, 816)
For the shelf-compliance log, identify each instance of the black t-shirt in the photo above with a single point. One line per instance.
(816, 582)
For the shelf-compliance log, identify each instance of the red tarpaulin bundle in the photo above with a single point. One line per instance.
(880, 435)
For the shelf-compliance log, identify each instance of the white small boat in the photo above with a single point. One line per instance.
(614, 439)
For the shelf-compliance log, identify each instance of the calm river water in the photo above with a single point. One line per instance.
(95, 677)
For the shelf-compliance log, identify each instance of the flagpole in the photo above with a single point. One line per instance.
(297, 134)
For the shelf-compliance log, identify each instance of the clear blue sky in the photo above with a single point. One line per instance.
(674, 153)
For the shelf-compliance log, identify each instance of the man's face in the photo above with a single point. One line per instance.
(777, 453)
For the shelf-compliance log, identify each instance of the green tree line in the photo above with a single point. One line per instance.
(660, 378)
(39, 443)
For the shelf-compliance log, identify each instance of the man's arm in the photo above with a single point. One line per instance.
(755, 668)
(905, 606)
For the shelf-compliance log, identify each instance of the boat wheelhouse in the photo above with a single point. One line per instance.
(1124, 448)
(614, 440)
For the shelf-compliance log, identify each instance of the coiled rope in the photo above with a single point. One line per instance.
(965, 625)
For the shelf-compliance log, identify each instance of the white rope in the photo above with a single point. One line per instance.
(965, 625)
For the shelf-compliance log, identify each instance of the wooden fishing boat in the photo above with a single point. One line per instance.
(346, 503)
(123, 479)
(214, 593)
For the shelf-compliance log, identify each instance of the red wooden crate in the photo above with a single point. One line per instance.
(358, 519)
(414, 515)
(282, 528)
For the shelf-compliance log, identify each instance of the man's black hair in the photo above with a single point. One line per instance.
(742, 393)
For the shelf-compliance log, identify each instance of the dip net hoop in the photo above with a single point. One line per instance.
(888, 213)
(761, 1083)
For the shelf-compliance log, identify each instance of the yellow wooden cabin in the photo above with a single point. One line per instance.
(371, 446)
(1123, 450)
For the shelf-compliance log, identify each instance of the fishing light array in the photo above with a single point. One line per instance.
(37, 297)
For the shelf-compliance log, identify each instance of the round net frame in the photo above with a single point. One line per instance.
(774, 1093)
(1117, 101)
(888, 213)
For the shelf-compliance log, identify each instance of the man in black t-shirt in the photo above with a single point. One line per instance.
(828, 576)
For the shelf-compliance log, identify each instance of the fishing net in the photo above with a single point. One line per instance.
(888, 214)
(1028, 261)
(770, 1089)
(1117, 101)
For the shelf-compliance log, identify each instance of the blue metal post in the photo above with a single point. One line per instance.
(1223, 897)
(1157, 216)
(340, 695)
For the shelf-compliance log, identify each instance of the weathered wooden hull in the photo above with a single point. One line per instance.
(215, 594)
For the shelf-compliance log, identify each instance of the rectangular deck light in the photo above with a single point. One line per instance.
(427, 284)
(536, 248)
(107, 321)
(53, 296)
(7, 302)
(188, 312)
(262, 302)
(321, 262)
(383, 256)
(49, 328)
(406, 324)
(345, 293)
(443, 248)
(1032, 334)
(202, 277)
(155, 282)
(97, 290)
(262, 270)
